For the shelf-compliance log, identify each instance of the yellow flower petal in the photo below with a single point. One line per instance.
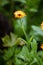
(19, 14)
(41, 46)
(42, 25)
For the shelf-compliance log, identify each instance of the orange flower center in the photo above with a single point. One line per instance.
(19, 14)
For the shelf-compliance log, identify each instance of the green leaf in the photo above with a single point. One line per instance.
(40, 62)
(9, 62)
(34, 45)
(37, 30)
(33, 10)
(23, 1)
(22, 57)
(8, 53)
(32, 4)
(9, 41)
(37, 33)
(40, 53)
(24, 54)
(19, 62)
(3, 2)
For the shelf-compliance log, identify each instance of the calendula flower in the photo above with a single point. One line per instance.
(41, 46)
(19, 14)
(42, 25)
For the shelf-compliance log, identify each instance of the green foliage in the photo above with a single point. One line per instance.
(22, 54)
(21, 47)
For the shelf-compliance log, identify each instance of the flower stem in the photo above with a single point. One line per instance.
(24, 31)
